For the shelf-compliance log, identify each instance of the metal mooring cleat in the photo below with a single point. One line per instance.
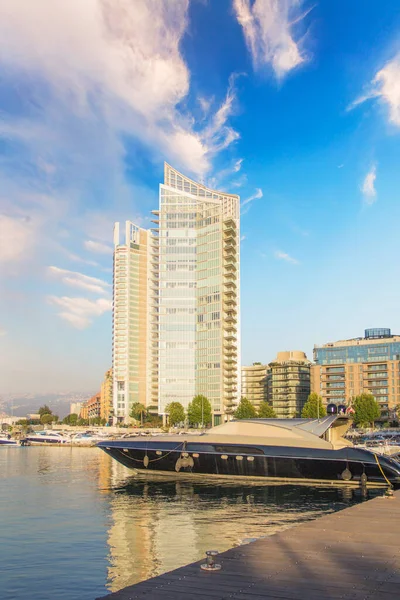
(211, 565)
(389, 493)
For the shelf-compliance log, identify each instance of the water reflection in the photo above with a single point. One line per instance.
(73, 518)
(158, 524)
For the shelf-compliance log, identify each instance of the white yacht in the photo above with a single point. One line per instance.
(47, 437)
(7, 440)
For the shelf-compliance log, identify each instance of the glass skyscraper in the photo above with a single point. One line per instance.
(193, 297)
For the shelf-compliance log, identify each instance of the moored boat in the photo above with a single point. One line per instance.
(7, 440)
(308, 450)
(46, 437)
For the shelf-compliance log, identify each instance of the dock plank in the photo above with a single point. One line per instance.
(350, 555)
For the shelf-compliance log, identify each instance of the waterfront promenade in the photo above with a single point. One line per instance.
(353, 554)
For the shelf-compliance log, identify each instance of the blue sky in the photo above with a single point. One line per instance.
(294, 105)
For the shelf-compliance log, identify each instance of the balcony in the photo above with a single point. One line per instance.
(230, 276)
(229, 361)
(230, 337)
(229, 285)
(230, 351)
(230, 267)
(231, 294)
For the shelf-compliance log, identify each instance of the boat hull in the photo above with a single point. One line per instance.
(41, 441)
(273, 463)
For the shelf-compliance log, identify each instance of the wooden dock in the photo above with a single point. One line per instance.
(353, 554)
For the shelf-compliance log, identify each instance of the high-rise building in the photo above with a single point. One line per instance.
(106, 396)
(132, 318)
(289, 383)
(347, 368)
(254, 383)
(177, 320)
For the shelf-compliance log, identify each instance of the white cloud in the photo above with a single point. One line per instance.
(80, 312)
(17, 237)
(257, 194)
(238, 165)
(115, 62)
(386, 87)
(243, 237)
(267, 27)
(80, 259)
(368, 186)
(217, 135)
(98, 247)
(79, 280)
(286, 257)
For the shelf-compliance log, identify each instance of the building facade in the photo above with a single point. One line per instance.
(254, 383)
(106, 396)
(289, 383)
(93, 407)
(177, 302)
(84, 413)
(133, 293)
(347, 368)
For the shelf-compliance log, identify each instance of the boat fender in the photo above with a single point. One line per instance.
(347, 475)
(185, 460)
(146, 461)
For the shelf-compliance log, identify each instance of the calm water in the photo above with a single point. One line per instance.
(76, 524)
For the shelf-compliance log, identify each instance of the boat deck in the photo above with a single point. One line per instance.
(353, 554)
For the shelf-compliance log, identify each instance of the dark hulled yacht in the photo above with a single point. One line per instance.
(307, 450)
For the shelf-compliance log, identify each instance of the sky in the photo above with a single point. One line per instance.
(293, 104)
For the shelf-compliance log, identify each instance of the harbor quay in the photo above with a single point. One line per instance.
(352, 554)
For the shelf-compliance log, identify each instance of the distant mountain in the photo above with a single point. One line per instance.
(59, 402)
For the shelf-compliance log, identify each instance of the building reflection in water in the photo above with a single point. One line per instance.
(158, 524)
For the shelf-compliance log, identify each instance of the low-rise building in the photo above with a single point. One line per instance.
(33, 417)
(93, 407)
(289, 383)
(347, 368)
(254, 383)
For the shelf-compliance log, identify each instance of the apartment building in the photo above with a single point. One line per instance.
(289, 383)
(106, 396)
(347, 368)
(176, 320)
(254, 383)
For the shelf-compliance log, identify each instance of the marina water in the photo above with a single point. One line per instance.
(76, 524)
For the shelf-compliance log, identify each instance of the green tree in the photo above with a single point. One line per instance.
(366, 410)
(44, 410)
(46, 419)
(71, 419)
(176, 413)
(138, 412)
(82, 422)
(266, 411)
(199, 411)
(245, 410)
(313, 408)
